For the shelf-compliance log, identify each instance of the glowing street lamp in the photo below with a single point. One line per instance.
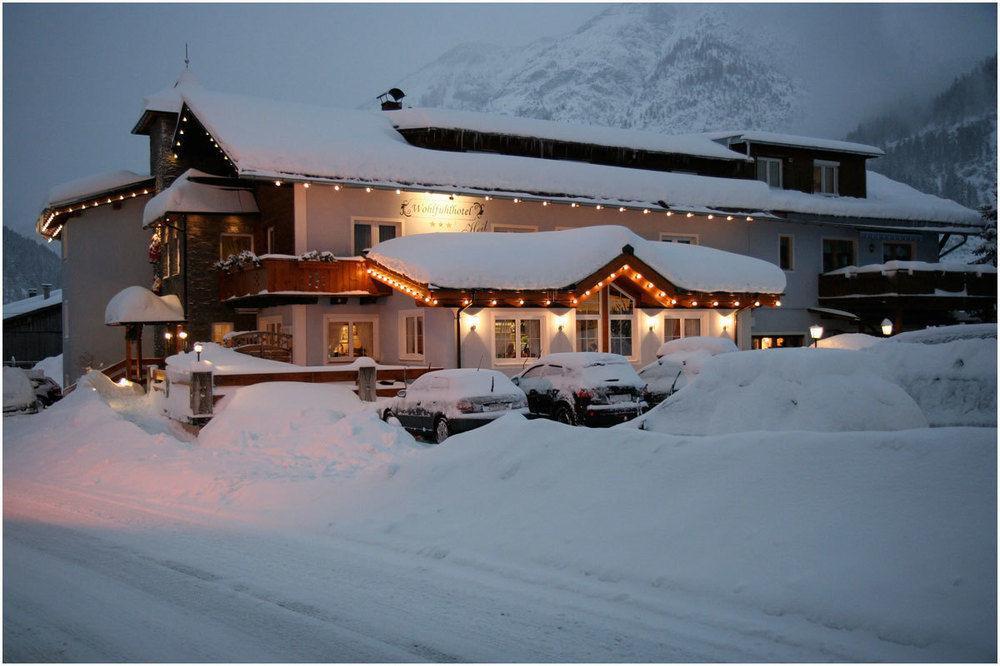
(886, 327)
(816, 332)
(183, 336)
(198, 349)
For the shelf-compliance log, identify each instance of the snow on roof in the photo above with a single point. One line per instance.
(187, 196)
(169, 99)
(85, 187)
(698, 145)
(138, 305)
(776, 139)
(915, 266)
(26, 305)
(543, 260)
(277, 140)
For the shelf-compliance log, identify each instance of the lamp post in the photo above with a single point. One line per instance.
(183, 335)
(816, 332)
(886, 327)
(198, 348)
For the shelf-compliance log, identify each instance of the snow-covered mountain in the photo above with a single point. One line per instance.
(948, 147)
(26, 264)
(657, 67)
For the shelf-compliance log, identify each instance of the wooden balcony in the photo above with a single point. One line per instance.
(272, 281)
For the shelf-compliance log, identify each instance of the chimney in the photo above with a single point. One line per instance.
(46, 290)
(391, 99)
(32, 292)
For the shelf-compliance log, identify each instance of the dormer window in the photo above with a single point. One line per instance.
(826, 176)
(769, 171)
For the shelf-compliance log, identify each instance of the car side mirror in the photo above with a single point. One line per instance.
(516, 381)
(401, 393)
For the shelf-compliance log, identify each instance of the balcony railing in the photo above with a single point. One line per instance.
(275, 279)
(975, 283)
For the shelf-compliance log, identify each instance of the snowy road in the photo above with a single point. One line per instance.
(95, 579)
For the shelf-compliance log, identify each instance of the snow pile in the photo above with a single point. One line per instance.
(679, 361)
(139, 305)
(18, 393)
(227, 361)
(301, 430)
(941, 334)
(955, 383)
(889, 535)
(850, 341)
(269, 139)
(52, 367)
(92, 185)
(706, 343)
(188, 196)
(542, 260)
(787, 389)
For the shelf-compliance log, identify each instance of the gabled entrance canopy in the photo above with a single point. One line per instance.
(563, 268)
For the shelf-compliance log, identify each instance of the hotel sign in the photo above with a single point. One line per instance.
(447, 214)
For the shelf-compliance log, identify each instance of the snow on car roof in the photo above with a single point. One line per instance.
(471, 379)
(284, 140)
(557, 259)
(698, 145)
(582, 359)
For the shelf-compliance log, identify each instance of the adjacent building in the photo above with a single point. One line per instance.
(292, 218)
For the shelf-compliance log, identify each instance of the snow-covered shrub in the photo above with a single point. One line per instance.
(238, 262)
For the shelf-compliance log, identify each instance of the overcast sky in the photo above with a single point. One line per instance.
(75, 75)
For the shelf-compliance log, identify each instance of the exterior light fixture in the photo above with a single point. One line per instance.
(368, 189)
(645, 211)
(168, 335)
(305, 185)
(198, 349)
(886, 327)
(690, 215)
(815, 332)
(277, 183)
(398, 191)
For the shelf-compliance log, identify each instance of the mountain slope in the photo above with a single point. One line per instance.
(948, 148)
(644, 66)
(26, 264)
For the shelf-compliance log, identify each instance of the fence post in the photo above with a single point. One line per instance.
(366, 380)
(202, 399)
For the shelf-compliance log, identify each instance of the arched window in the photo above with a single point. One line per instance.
(621, 315)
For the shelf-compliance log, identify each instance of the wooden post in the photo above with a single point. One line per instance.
(202, 399)
(366, 383)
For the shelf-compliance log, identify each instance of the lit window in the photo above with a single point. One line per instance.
(517, 338)
(588, 321)
(347, 339)
(680, 327)
(232, 244)
(825, 177)
(621, 311)
(220, 329)
(412, 343)
(769, 171)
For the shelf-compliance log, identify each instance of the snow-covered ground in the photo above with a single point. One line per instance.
(297, 526)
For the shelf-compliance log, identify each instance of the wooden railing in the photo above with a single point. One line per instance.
(293, 276)
(117, 371)
(262, 344)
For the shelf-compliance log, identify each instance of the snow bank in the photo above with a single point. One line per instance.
(225, 361)
(52, 367)
(941, 334)
(18, 393)
(301, 430)
(542, 260)
(706, 343)
(889, 534)
(955, 383)
(787, 389)
(139, 305)
(850, 341)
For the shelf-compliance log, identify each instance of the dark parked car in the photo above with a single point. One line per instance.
(586, 388)
(678, 362)
(445, 402)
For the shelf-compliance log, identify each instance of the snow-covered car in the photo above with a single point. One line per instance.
(18, 392)
(677, 363)
(46, 390)
(445, 402)
(586, 388)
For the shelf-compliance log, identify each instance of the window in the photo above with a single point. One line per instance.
(270, 324)
(219, 330)
(517, 338)
(675, 327)
(769, 171)
(786, 253)
(588, 325)
(621, 311)
(175, 249)
(777, 341)
(230, 244)
(837, 253)
(513, 229)
(367, 234)
(686, 239)
(270, 240)
(897, 251)
(348, 338)
(165, 251)
(825, 177)
(411, 342)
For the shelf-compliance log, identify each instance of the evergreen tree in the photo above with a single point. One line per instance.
(986, 253)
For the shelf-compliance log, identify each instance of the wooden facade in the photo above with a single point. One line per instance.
(33, 336)
(797, 167)
(277, 280)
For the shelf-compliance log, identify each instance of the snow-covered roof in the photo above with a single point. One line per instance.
(775, 139)
(915, 266)
(284, 140)
(697, 145)
(97, 184)
(169, 99)
(138, 305)
(559, 259)
(187, 196)
(26, 305)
